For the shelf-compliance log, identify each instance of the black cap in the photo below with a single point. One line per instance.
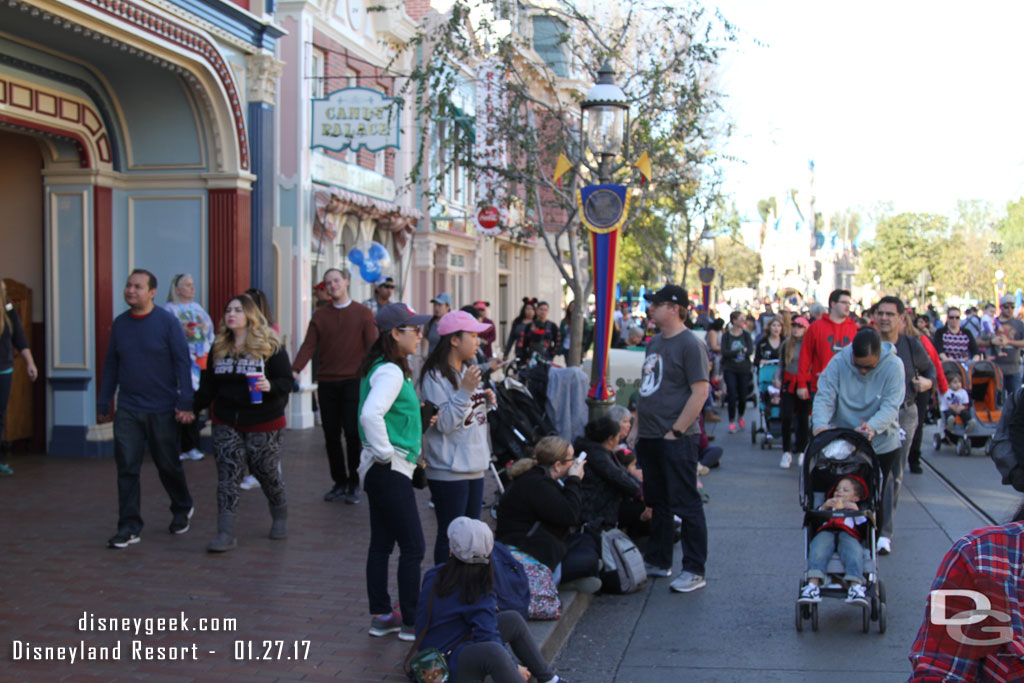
(395, 315)
(673, 294)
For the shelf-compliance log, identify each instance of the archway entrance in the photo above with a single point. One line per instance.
(22, 269)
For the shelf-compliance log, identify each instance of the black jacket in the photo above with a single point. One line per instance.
(536, 514)
(223, 383)
(916, 363)
(605, 486)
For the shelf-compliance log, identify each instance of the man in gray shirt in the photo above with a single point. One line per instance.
(1006, 343)
(673, 389)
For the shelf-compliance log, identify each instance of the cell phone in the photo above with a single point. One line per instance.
(427, 411)
(582, 457)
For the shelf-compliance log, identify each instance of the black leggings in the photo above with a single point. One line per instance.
(738, 389)
(477, 661)
(922, 400)
(794, 406)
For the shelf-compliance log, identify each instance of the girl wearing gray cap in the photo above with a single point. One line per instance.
(391, 433)
(458, 615)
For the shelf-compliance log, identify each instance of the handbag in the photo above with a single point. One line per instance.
(419, 475)
(430, 665)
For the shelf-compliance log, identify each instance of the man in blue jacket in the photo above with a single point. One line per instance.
(147, 359)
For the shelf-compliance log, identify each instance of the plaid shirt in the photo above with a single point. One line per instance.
(989, 562)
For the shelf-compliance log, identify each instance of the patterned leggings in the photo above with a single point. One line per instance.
(233, 450)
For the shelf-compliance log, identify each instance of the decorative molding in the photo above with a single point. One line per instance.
(263, 71)
(144, 20)
(27, 105)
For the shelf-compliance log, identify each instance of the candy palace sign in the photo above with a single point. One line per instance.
(356, 117)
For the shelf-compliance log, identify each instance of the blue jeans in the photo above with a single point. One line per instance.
(1011, 382)
(850, 552)
(453, 499)
(132, 432)
(393, 519)
(670, 487)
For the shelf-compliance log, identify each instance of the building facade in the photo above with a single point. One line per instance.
(134, 135)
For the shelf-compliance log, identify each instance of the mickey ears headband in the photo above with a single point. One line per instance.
(530, 300)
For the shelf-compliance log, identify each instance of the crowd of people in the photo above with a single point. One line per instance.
(636, 468)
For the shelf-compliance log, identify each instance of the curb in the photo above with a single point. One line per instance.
(551, 635)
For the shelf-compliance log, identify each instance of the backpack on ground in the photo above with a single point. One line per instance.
(511, 584)
(544, 601)
(624, 570)
(999, 447)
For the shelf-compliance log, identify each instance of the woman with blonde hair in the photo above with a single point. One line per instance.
(12, 336)
(199, 333)
(540, 516)
(247, 379)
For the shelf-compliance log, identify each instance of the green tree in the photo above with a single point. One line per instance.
(904, 248)
(666, 57)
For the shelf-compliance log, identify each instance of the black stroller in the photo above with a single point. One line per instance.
(831, 455)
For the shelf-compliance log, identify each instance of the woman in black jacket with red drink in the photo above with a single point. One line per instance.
(247, 378)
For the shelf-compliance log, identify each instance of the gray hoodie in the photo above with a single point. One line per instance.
(457, 447)
(846, 398)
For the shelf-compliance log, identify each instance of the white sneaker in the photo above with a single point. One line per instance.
(857, 596)
(196, 454)
(884, 546)
(809, 594)
(787, 460)
(702, 470)
(187, 455)
(250, 482)
(800, 459)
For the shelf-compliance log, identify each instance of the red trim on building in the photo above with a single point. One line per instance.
(229, 245)
(84, 159)
(103, 258)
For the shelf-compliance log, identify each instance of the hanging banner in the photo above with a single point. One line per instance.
(354, 118)
(603, 208)
(490, 149)
(604, 248)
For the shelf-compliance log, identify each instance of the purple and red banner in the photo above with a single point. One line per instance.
(603, 210)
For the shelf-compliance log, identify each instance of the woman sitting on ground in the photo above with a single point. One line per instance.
(611, 496)
(458, 615)
(541, 517)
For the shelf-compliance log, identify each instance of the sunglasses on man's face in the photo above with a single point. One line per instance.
(387, 286)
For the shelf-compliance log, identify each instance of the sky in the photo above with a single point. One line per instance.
(912, 102)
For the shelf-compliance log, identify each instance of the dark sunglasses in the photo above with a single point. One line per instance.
(387, 286)
(952, 317)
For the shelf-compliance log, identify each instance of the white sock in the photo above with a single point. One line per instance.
(553, 680)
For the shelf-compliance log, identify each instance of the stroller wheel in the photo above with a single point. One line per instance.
(814, 617)
(865, 625)
(799, 618)
(881, 617)
(937, 440)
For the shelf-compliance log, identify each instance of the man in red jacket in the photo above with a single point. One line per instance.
(824, 338)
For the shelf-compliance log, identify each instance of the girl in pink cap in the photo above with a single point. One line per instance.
(456, 448)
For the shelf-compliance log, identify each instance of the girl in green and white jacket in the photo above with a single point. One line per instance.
(391, 432)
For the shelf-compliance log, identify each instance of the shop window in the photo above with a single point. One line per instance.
(317, 72)
(549, 43)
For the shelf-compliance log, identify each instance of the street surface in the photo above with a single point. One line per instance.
(741, 626)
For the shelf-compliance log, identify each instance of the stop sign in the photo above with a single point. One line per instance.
(487, 218)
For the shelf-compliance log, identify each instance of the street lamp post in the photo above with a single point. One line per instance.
(604, 132)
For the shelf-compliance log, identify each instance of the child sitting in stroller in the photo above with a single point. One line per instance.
(844, 534)
(956, 403)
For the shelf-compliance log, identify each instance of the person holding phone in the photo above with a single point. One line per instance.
(456, 448)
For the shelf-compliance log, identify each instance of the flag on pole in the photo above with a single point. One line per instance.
(562, 166)
(643, 164)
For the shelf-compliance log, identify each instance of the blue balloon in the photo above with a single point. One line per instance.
(370, 271)
(378, 252)
(356, 257)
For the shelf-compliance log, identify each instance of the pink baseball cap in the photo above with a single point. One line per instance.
(459, 321)
(802, 322)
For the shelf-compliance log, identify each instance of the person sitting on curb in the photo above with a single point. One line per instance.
(540, 517)
(457, 614)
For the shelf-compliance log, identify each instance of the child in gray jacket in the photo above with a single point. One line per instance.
(457, 449)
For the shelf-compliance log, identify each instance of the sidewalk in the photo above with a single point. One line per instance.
(310, 587)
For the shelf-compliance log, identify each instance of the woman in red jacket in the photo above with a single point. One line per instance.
(923, 398)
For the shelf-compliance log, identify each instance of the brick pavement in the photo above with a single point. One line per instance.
(55, 566)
